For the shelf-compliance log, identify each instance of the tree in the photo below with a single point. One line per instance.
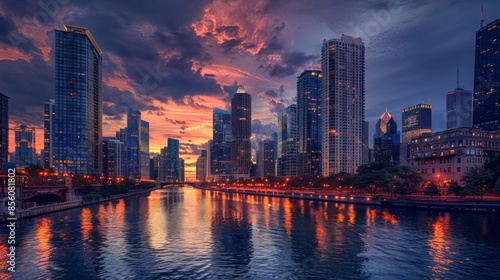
(478, 181)
(432, 189)
(455, 189)
(496, 188)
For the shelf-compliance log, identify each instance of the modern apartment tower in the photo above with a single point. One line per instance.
(144, 150)
(458, 108)
(48, 133)
(241, 121)
(417, 120)
(112, 158)
(287, 142)
(25, 146)
(201, 167)
(486, 114)
(343, 104)
(169, 169)
(133, 144)
(386, 140)
(309, 122)
(4, 128)
(266, 159)
(220, 148)
(78, 103)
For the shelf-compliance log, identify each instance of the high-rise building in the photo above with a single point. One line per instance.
(386, 140)
(458, 108)
(48, 133)
(169, 163)
(309, 122)
(121, 135)
(366, 147)
(25, 146)
(241, 121)
(112, 158)
(220, 148)
(287, 142)
(182, 174)
(78, 103)
(144, 150)
(343, 104)
(201, 166)
(487, 77)
(133, 144)
(266, 158)
(417, 120)
(4, 128)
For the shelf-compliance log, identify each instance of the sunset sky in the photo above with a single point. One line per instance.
(176, 60)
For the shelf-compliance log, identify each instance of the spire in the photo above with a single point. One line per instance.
(482, 17)
(458, 74)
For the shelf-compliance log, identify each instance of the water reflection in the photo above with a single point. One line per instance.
(193, 234)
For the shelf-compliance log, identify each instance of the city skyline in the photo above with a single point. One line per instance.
(193, 128)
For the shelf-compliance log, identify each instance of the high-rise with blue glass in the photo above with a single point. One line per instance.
(77, 127)
(220, 150)
(144, 149)
(309, 122)
(133, 144)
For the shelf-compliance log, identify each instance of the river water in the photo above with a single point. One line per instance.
(194, 234)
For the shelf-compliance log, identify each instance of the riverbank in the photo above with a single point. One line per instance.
(45, 209)
(399, 202)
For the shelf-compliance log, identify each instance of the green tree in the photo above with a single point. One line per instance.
(432, 189)
(455, 189)
(478, 181)
(496, 188)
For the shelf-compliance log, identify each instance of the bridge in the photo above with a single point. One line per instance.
(177, 184)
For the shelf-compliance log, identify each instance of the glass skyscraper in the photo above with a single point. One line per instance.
(144, 149)
(48, 132)
(486, 114)
(241, 121)
(287, 142)
(417, 120)
(133, 144)
(78, 103)
(169, 162)
(386, 140)
(220, 148)
(266, 158)
(4, 128)
(309, 122)
(458, 108)
(25, 146)
(343, 104)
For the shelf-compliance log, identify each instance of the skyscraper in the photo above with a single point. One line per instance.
(458, 108)
(201, 166)
(133, 144)
(144, 150)
(287, 142)
(343, 104)
(366, 147)
(220, 149)
(309, 122)
(169, 162)
(78, 103)
(4, 128)
(266, 159)
(386, 140)
(121, 135)
(48, 133)
(417, 120)
(241, 120)
(112, 158)
(25, 146)
(486, 114)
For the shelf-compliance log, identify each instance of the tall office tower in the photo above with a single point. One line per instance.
(309, 122)
(48, 133)
(112, 150)
(287, 142)
(220, 149)
(4, 128)
(78, 103)
(153, 167)
(144, 150)
(366, 147)
(25, 146)
(201, 166)
(121, 135)
(241, 121)
(266, 159)
(182, 174)
(458, 108)
(133, 144)
(343, 104)
(417, 120)
(169, 169)
(209, 145)
(486, 114)
(386, 140)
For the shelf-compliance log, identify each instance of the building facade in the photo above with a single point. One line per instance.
(169, 169)
(309, 122)
(201, 166)
(112, 158)
(386, 140)
(445, 156)
(487, 77)
(25, 146)
(133, 144)
(77, 128)
(241, 121)
(417, 120)
(458, 108)
(48, 133)
(343, 104)
(266, 159)
(4, 128)
(220, 147)
(144, 150)
(287, 142)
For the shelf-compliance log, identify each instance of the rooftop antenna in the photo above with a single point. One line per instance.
(482, 17)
